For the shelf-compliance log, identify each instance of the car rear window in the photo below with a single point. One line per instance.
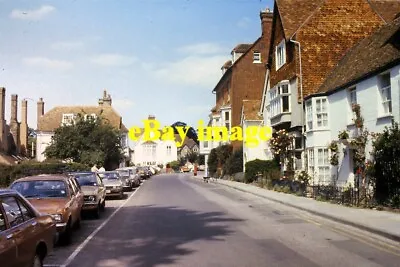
(109, 175)
(86, 179)
(42, 189)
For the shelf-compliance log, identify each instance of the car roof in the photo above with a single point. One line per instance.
(7, 191)
(44, 177)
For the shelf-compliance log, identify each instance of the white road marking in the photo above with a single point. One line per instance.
(86, 241)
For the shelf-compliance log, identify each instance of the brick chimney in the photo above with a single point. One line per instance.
(3, 136)
(266, 21)
(40, 110)
(14, 124)
(151, 117)
(106, 100)
(23, 137)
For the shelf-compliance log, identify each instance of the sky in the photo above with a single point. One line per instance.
(158, 57)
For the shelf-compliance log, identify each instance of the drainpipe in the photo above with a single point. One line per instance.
(302, 100)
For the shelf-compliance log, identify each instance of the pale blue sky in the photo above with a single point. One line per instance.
(159, 57)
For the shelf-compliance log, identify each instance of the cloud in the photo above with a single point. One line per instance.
(243, 22)
(43, 62)
(113, 60)
(121, 104)
(67, 45)
(202, 49)
(193, 71)
(34, 14)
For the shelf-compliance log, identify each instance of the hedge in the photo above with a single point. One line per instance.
(10, 173)
(259, 167)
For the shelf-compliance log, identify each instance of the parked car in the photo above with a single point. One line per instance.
(132, 173)
(126, 179)
(26, 235)
(113, 182)
(94, 191)
(144, 173)
(202, 167)
(57, 195)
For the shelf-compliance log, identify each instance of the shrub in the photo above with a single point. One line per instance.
(10, 173)
(212, 162)
(260, 167)
(234, 164)
(175, 165)
(286, 189)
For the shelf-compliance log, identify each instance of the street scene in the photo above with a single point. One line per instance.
(200, 133)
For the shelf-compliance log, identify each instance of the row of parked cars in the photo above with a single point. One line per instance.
(37, 212)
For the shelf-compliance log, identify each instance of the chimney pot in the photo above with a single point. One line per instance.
(14, 107)
(40, 110)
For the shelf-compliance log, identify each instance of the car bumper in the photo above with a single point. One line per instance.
(114, 191)
(89, 206)
(61, 227)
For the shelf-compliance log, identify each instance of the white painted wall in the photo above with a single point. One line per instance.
(340, 118)
(161, 156)
(43, 140)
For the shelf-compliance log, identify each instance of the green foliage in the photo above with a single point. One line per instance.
(9, 173)
(386, 165)
(192, 157)
(175, 165)
(259, 167)
(286, 189)
(88, 142)
(234, 164)
(223, 153)
(304, 177)
(212, 162)
(201, 160)
(343, 135)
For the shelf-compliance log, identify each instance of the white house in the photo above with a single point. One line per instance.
(369, 76)
(155, 152)
(252, 117)
(48, 122)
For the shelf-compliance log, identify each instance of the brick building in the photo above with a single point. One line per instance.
(308, 40)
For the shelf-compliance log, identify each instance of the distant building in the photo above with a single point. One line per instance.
(63, 115)
(147, 153)
(189, 146)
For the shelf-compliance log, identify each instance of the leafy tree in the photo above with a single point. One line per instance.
(212, 162)
(234, 164)
(192, 157)
(89, 142)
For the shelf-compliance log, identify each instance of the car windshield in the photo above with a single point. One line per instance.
(41, 189)
(86, 179)
(123, 172)
(109, 175)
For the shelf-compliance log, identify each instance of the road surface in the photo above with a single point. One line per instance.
(175, 220)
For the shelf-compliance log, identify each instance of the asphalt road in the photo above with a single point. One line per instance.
(174, 220)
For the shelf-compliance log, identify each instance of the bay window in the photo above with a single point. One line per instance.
(279, 99)
(311, 163)
(317, 113)
(323, 165)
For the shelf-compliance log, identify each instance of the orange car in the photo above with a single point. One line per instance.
(57, 195)
(26, 236)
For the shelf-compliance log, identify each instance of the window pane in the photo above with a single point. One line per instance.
(13, 211)
(285, 103)
(323, 105)
(285, 89)
(318, 104)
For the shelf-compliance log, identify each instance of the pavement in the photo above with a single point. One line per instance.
(383, 223)
(175, 220)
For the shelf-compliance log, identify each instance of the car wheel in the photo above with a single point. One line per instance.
(37, 261)
(66, 237)
(78, 223)
(103, 205)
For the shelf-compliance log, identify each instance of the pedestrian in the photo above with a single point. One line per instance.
(102, 169)
(94, 168)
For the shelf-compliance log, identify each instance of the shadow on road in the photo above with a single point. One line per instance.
(152, 235)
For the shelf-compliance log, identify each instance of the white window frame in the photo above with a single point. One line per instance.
(256, 57)
(280, 54)
(309, 115)
(324, 173)
(352, 97)
(314, 114)
(311, 161)
(386, 107)
(276, 96)
(93, 115)
(68, 116)
(169, 152)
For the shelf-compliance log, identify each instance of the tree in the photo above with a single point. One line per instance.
(192, 157)
(89, 142)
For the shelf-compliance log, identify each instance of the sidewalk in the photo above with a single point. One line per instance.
(383, 223)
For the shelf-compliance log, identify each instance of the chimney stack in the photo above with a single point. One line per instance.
(14, 124)
(266, 21)
(3, 137)
(40, 110)
(106, 100)
(151, 117)
(24, 127)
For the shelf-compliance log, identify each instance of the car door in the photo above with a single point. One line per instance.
(78, 191)
(73, 202)
(22, 230)
(102, 188)
(8, 248)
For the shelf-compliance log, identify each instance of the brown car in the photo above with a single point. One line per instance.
(57, 195)
(26, 235)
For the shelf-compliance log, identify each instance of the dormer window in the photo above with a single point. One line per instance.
(256, 57)
(90, 117)
(280, 55)
(68, 119)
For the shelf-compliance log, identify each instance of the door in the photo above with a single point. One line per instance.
(8, 249)
(22, 230)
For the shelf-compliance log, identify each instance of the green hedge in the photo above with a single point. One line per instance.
(259, 167)
(10, 173)
(234, 164)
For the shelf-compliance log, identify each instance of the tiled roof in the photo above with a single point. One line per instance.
(370, 55)
(295, 12)
(227, 64)
(190, 143)
(250, 110)
(52, 119)
(387, 9)
(241, 48)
